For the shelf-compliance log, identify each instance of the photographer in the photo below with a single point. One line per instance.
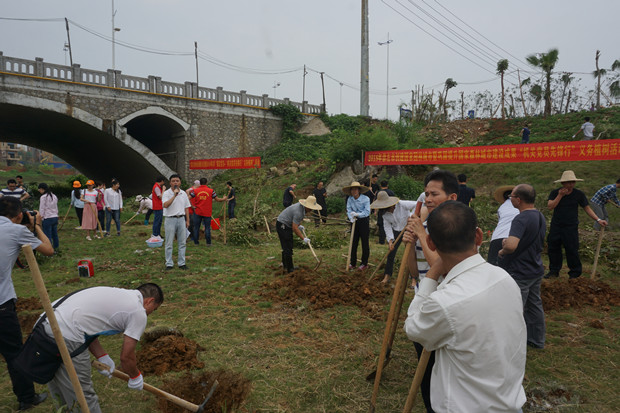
(12, 237)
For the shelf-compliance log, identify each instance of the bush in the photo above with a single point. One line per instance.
(78, 177)
(405, 187)
(291, 116)
(297, 147)
(347, 147)
(238, 231)
(335, 205)
(343, 122)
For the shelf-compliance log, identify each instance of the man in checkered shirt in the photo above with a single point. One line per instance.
(601, 197)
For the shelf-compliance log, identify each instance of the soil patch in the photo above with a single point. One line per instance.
(327, 288)
(26, 321)
(231, 391)
(577, 293)
(169, 353)
(546, 400)
(28, 303)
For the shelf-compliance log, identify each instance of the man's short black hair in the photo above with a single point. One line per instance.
(203, 181)
(587, 119)
(11, 181)
(526, 193)
(10, 207)
(384, 184)
(19, 176)
(230, 183)
(448, 181)
(160, 179)
(618, 181)
(174, 176)
(452, 227)
(149, 290)
(375, 175)
(462, 178)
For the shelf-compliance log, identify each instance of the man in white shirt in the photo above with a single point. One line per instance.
(176, 211)
(588, 130)
(94, 312)
(473, 319)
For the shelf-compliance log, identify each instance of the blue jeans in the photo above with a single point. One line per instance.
(157, 218)
(116, 214)
(198, 220)
(50, 228)
(175, 226)
(231, 209)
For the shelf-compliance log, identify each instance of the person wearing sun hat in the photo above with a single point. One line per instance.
(89, 219)
(564, 203)
(288, 222)
(395, 216)
(358, 210)
(505, 214)
(77, 202)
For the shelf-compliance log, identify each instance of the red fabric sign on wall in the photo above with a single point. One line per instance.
(226, 163)
(608, 149)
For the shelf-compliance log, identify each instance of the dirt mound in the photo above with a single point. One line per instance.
(460, 132)
(169, 353)
(327, 288)
(26, 321)
(577, 293)
(28, 303)
(231, 391)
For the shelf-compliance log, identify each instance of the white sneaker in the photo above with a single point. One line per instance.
(89, 238)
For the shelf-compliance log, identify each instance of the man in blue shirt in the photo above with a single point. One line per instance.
(601, 197)
(358, 211)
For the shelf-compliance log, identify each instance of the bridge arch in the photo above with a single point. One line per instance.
(95, 146)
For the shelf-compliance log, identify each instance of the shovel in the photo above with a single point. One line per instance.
(312, 249)
(170, 397)
(346, 266)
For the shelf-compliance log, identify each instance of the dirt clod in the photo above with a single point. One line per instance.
(577, 293)
(169, 353)
(231, 391)
(28, 303)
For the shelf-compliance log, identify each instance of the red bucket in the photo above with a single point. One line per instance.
(85, 268)
(215, 224)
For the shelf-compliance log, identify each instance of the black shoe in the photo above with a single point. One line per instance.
(38, 399)
(572, 277)
(168, 268)
(183, 267)
(551, 275)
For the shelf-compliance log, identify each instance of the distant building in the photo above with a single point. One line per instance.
(11, 153)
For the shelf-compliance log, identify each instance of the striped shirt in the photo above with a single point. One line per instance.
(17, 193)
(605, 194)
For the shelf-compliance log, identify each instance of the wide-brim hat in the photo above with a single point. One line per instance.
(355, 184)
(499, 192)
(77, 184)
(384, 201)
(568, 176)
(310, 203)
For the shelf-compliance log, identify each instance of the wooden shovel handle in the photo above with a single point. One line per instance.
(417, 380)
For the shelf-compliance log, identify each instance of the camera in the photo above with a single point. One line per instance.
(25, 219)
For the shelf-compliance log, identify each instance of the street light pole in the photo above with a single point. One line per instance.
(387, 74)
(341, 96)
(275, 86)
(114, 30)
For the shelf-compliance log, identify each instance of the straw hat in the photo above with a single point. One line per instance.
(384, 201)
(310, 203)
(498, 194)
(77, 184)
(568, 176)
(355, 184)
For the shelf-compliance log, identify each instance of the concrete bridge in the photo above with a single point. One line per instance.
(107, 124)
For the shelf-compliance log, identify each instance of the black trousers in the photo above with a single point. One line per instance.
(389, 264)
(285, 233)
(569, 238)
(380, 227)
(494, 248)
(10, 345)
(362, 231)
(425, 386)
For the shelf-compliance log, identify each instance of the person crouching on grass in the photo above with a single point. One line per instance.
(288, 223)
(358, 211)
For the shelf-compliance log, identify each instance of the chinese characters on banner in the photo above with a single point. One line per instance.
(225, 163)
(608, 149)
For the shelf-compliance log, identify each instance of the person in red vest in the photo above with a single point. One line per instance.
(202, 204)
(158, 208)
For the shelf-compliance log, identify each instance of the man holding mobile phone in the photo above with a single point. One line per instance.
(176, 204)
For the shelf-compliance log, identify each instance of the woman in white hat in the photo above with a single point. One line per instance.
(358, 210)
(396, 213)
(564, 203)
(288, 223)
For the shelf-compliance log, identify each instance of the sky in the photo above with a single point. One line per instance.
(268, 42)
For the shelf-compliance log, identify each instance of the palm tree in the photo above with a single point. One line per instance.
(502, 66)
(614, 88)
(449, 84)
(537, 93)
(566, 79)
(545, 61)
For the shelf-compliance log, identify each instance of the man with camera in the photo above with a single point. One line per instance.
(17, 228)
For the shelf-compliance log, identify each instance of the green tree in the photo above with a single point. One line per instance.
(614, 87)
(566, 80)
(449, 84)
(502, 66)
(546, 62)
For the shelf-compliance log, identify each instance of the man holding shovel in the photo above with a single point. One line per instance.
(12, 236)
(606, 194)
(473, 319)
(288, 223)
(100, 311)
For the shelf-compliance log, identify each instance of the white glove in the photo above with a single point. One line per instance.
(136, 383)
(107, 360)
(306, 240)
(301, 227)
(354, 214)
(574, 136)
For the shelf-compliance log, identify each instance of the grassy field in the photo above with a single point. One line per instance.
(302, 359)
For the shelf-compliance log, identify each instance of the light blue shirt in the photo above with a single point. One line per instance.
(76, 202)
(361, 206)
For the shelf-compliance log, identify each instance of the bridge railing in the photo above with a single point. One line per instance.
(152, 84)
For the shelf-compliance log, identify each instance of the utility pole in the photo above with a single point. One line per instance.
(598, 75)
(196, 56)
(323, 86)
(303, 95)
(387, 74)
(364, 82)
(113, 42)
(341, 96)
(69, 42)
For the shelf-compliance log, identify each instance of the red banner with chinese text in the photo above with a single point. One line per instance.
(225, 163)
(608, 149)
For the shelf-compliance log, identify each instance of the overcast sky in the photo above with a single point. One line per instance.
(275, 36)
